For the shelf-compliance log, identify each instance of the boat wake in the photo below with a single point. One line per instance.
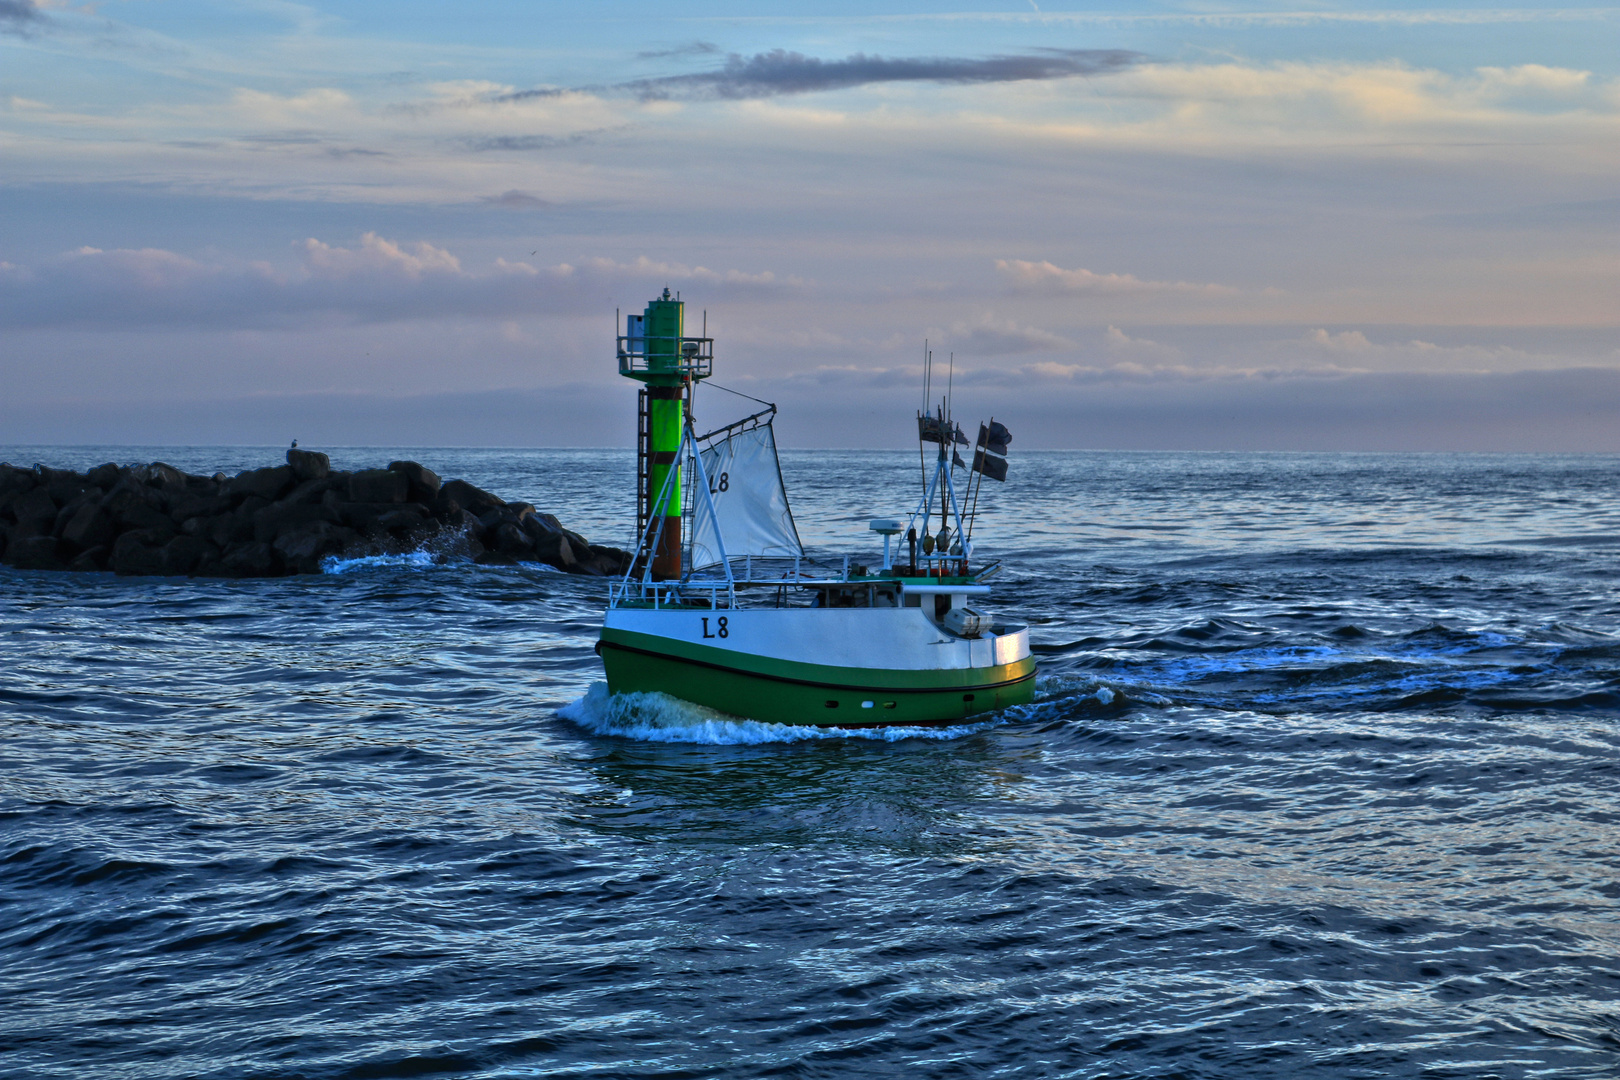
(655, 717)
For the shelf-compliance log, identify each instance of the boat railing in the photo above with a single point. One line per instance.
(712, 587)
(751, 572)
(662, 594)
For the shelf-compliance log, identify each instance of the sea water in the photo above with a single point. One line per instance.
(1321, 780)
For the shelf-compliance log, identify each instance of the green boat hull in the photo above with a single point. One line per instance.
(786, 692)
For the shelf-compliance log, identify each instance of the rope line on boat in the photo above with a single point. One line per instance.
(739, 393)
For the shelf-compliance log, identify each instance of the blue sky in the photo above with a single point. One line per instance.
(1160, 226)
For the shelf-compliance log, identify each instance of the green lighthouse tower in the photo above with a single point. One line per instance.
(655, 351)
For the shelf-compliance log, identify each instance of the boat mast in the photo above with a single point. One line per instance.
(655, 352)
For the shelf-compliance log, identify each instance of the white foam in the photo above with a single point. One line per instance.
(418, 560)
(658, 717)
(1056, 687)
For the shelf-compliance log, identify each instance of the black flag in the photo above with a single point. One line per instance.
(933, 429)
(991, 456)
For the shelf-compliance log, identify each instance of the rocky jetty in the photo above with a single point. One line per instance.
(287, 519)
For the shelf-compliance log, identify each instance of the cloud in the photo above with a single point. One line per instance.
(1052, 373)
(1309, 102)
(19, 17)
(1141, 350)
(1045, 277)
(516, 200)
(1353, 350)
(377, 281)
(1129, 372)
(648, 269)
(522, 143)
(378, 256)
(991, 336)
(779, 71)
(1536, 78)
(694, 48)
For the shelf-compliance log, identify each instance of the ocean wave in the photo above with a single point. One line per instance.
(411, 560)
(416, 560)
(655, 717)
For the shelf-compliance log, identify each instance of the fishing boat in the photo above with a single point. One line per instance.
(721, 606)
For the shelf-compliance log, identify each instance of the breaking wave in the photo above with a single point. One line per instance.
(655, 717)
(411, 560)
(418, 560)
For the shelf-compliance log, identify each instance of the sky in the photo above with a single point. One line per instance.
(1246, 226)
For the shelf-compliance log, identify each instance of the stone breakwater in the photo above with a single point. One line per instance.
(287, 519)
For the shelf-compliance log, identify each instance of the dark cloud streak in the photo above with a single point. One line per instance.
(695, 48)
(516, 200)
(20, 17)
(780, 72)
(524, 143)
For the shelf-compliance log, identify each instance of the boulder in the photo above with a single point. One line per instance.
(425, 483)
(156, 475)
(192, 504)
(511, 541)
(538, 525)
(469, 526)
(34, 511)
(611, 560)
(378, 486)
(34, 553)
(249, 560)
(302, 549)
(227, 529)
(48, 476)
(90, 527)
(182, 554)
(553, 549)
(326, 489)
(64, 491)
(73, 506)
(281, 517)
(90, 560)
(363, 516)
(404, 519)
(136, 508)
(104, 476)
(267, 484)
(161, 476)
(15, 481)
(308, 464)
(469, 497)
(139, 552)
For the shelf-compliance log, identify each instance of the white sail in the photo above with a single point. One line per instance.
(750, 505)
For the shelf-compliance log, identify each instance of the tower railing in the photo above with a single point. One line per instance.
(650, 355)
